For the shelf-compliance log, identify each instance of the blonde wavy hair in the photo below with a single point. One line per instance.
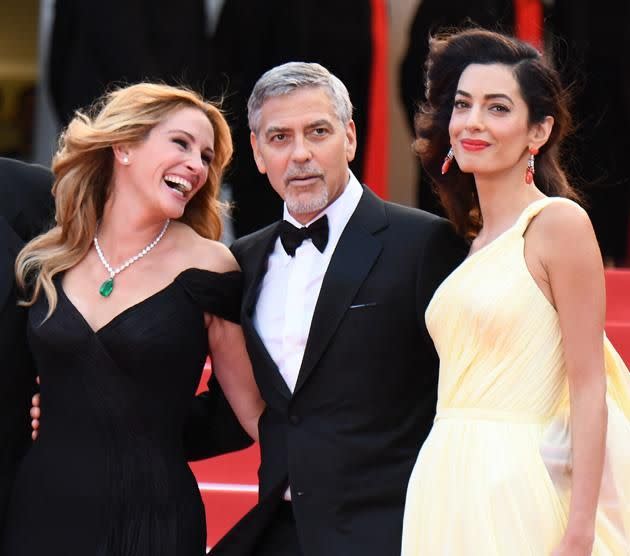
(83, 167)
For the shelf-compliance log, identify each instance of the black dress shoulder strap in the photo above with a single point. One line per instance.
(217, 293)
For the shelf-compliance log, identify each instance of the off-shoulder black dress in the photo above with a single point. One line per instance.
(107, 475)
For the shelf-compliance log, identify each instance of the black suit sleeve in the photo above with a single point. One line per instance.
(37, 212)
(25, 208)
(26, 199)
(211, 428)
(18, 385)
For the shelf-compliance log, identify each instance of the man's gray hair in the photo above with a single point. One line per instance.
(283, 80)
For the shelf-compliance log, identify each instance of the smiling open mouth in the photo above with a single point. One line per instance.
(179, 184)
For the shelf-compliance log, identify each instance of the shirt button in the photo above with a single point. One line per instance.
(294, 419)
(300, 493)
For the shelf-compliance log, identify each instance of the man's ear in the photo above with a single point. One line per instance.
(539, 133)
(260, 162)
(351, 141)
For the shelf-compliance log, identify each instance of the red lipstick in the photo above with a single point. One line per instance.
(474, 144)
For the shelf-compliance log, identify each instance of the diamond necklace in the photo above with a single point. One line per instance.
(107, 287)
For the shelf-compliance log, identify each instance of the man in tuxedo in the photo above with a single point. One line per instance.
(25, 210)
(333, 315)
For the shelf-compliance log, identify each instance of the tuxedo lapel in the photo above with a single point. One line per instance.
(260, 357)
(10, 244)
(354, 256)
(255, 258)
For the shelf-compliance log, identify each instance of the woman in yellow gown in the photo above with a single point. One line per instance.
(530, 450)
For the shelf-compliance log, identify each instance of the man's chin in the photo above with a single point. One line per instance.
(305, 205)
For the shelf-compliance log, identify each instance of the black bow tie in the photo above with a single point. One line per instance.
(292, 237)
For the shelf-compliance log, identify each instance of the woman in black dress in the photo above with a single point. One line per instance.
(128, 294)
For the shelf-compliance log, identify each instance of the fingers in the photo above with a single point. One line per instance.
(35, 413)
(35, 427)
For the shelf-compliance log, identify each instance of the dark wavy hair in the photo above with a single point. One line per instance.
(541, 88)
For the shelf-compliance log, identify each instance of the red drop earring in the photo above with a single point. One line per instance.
(448, 159)
(531, 170)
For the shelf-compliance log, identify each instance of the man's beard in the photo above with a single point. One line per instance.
(317, 201)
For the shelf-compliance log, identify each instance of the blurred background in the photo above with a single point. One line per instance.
(57, 56)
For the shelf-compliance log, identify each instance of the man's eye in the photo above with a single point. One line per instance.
(278, 137)
(320, 131)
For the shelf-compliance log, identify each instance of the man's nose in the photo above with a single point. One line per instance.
(301, 150)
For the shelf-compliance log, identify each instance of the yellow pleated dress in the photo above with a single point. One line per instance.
(494, 475)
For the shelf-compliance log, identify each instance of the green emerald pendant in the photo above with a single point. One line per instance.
(107, 288)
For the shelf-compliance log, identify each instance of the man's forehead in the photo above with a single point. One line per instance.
(298, 108)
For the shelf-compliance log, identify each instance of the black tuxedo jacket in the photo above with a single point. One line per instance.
(347, 439)
(25, 210)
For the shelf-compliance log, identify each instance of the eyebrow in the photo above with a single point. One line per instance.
(276, 129)
(187, 133)
(279, 129)
(490, 96)
(319, 123)
(191, 137)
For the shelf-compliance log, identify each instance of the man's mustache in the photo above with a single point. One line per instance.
(302, 173)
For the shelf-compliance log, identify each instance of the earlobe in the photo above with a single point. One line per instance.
(121, 154)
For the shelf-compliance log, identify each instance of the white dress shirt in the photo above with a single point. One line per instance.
(291, 286)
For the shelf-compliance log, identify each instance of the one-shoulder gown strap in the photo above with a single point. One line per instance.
(217, 293)
(533, 209)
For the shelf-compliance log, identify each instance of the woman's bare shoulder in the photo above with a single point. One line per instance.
(203, 253)
(564, 231)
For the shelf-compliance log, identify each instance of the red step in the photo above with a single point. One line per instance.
(618, 311)
(224, 509)
(619, 335)
(617, 296)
